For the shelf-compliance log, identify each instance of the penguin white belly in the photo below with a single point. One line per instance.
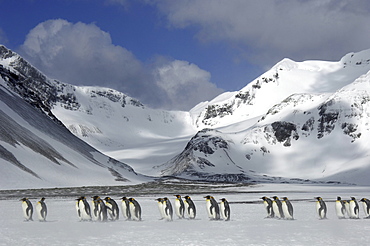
(78, 210)
(124, 210)
(224, 211)
(26, 212)
(275, 207)
(95, 211)
(353, 210)
(161, 210)
(287, 215)
(132, 208)
(84, 214)
(347, 209)
(319, 211)
(38, 211)
(110, 210)
(338, 209)
(178, 208)
(210, 210)
(366, 212)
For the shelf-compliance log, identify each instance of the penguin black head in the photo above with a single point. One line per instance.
(158, 199)
(177, 196)
(223, 199)
(353, 198)
(124, 198)
(363, 199)
(107, 198)
(265, 198)
(187, 197)
(275, 198)
(42, 199)
(339, 198)
(95, 197)
(208, 197)
(23, 199)
(318, 198)
(131, 199)
(285, 198)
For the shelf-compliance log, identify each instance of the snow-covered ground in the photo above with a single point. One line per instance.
(246, 227)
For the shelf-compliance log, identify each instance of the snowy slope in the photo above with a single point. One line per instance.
(38, 152)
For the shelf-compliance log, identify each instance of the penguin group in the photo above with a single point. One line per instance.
(183, 208)
(107, 209)
(41, 209)
(216, 212)
(351, 208)
(283, 209)
(276, 208)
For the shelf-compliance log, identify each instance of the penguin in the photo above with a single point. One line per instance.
(167, 209)
(321, 208)
(212, 208)
(366, 207)
(27, 209)
(100, 209)
(179, 207)
(112, 208)
(83, 209)
(346, 205)
(225, 209)
(268, 205)
(135, 209)
(287, 209)
(340, 208)
(160, 207)
(190, 207)
(353, 209)
(41, 210)
(125, 208)
(277, 207)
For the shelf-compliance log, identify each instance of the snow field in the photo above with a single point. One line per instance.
(247, 226)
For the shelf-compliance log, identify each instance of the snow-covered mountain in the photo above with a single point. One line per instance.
(36, 150)
(298, 121)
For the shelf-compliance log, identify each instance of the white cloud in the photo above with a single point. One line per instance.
(268, 31)
(83, 54)
(185, 83)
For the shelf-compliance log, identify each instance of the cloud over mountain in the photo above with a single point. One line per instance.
(83, 54)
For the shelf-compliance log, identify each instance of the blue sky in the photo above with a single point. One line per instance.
(174, 54)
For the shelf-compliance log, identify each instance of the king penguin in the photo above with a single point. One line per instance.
(225, 209)
(135, 209)
(287, 209)
(167, 209)
(268, 205)
(321, 208)
(190, 207)
(41, 210)
(179, 207)
(353, 209)
(27, 209)
(212, 208)
(366, 207)
(100, 210)
(160, 207)
(126, 208)
(112, 208)
(340, 208)
(83, 209)
(277, 207)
